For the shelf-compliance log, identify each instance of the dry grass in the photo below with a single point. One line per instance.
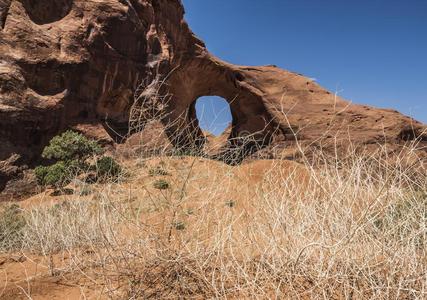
(354, 229)
(345, 228)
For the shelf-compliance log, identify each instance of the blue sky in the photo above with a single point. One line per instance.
(213, 113)
(370, 51)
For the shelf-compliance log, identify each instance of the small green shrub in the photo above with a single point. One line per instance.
(179, 225)
(41, 172)
(158, 171)
(84, 190)
(71, 151)
(59, 208)
(71, 146)
(76, 167)
(187, 152)
(107, 167)
(12, 223)
(56, 175)
(230, 203)
(161, 184)
(405, 218)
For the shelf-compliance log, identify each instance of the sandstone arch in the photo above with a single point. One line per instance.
(83, 71)
(211, 77)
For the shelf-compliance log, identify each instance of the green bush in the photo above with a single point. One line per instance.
(58, 174)
(161, 184)
(12, 223)
(71, 151)
(55, 175)
(41, 172)
(107, 167)
(71, 146)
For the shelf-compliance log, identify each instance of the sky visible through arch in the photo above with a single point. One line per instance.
(213, 113)
(369, 51)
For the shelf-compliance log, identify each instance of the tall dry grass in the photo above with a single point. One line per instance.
(334, 227)
(354, 229)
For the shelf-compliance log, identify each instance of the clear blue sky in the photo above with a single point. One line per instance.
(371, 51)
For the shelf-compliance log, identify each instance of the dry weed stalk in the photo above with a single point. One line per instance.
(351, 228)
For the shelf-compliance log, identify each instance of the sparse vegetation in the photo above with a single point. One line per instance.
(178, 225)
(56, 175)
(70, 146)
(230, 203)
(71, 152)
(351, 228)
(158, 171)
(342, 229)
(161, 184)
(107, 167)
(12, 223)
(405, 218)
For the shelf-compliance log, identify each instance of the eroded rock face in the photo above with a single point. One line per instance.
(77, 63)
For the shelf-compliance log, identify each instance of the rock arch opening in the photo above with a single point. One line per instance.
(213, 114)
(212, 117)
(252, 121)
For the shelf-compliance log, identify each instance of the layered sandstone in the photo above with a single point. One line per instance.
(77, 63)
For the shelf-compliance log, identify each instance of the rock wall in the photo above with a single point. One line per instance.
(77, 63)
